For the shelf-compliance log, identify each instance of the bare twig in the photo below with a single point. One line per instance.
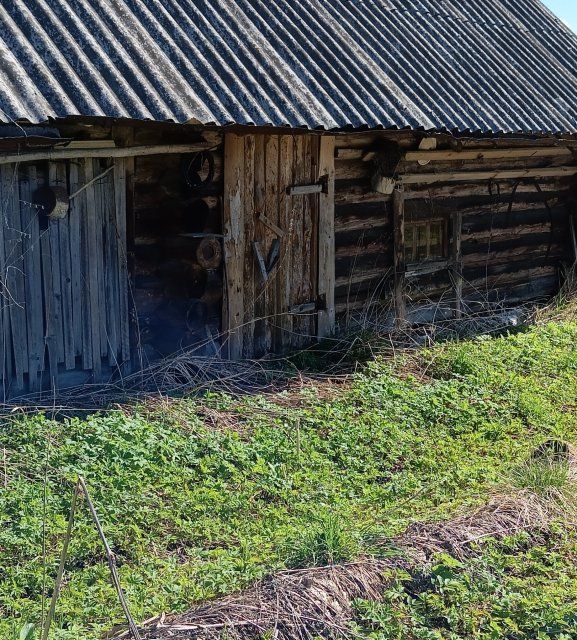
(63, 558)
(111, 561)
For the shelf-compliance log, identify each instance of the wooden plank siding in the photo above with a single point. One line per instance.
(279, 248)
(61, 278)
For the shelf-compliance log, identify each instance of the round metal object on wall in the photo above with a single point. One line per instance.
(209, 253)
(54, 201)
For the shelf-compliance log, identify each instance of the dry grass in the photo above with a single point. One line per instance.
(318, 602)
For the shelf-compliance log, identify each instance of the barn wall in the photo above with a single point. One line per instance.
(515, 233)
(144, 265)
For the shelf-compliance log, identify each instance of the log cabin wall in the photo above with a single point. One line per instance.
(178, 256)
(515, 235)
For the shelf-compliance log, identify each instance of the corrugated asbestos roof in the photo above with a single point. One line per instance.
(467, 65)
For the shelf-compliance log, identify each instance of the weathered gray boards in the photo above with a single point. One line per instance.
(64, 281)
(238, 244)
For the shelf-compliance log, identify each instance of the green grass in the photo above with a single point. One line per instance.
(512, 591)
(194, 508)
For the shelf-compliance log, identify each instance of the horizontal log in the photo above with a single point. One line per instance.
(364, 248)
(508, 234)
(518, 208)
(365, 289)
(348, 192)
(347, 153)
(90, 144)
(427, 268)
(474, 176)
(487, 154)
(367, 275)
(474, 190)
(357, 264)
(362, 238)
(358, 223)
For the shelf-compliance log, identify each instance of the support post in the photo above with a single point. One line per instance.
(326, 318)
(234, 244)
(457, 252)
(399, 255)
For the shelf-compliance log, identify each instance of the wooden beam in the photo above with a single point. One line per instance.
(90, 144)
(399, 255)
(271, 225)
(476, 176)
(326, 231)
(344, 153)
(112, 152)
(234, 244)
(487, 154)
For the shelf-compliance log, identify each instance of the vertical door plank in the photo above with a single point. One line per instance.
(14, 272)
(5, 337)
(259, 195)
(299, 253)
(122, 254)
(32, 278)
(77, 215)
(234, 244)
(99, 255)
(271, 212)
(91, 250)
(400, 261)
(111, 270)
(250, 217)
(66, 277)
(50, 312)
(311, 237)
(82, 203)
(326, 240)
(284, 318)
(56, 286)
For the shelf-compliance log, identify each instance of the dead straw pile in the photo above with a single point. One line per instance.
(319, 602)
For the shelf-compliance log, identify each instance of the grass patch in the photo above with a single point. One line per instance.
(326, 542)
(194, 511)
(511, 590)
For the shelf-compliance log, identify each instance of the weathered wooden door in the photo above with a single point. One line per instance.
(279, 242)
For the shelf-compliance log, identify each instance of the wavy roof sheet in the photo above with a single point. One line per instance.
(466, 65)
